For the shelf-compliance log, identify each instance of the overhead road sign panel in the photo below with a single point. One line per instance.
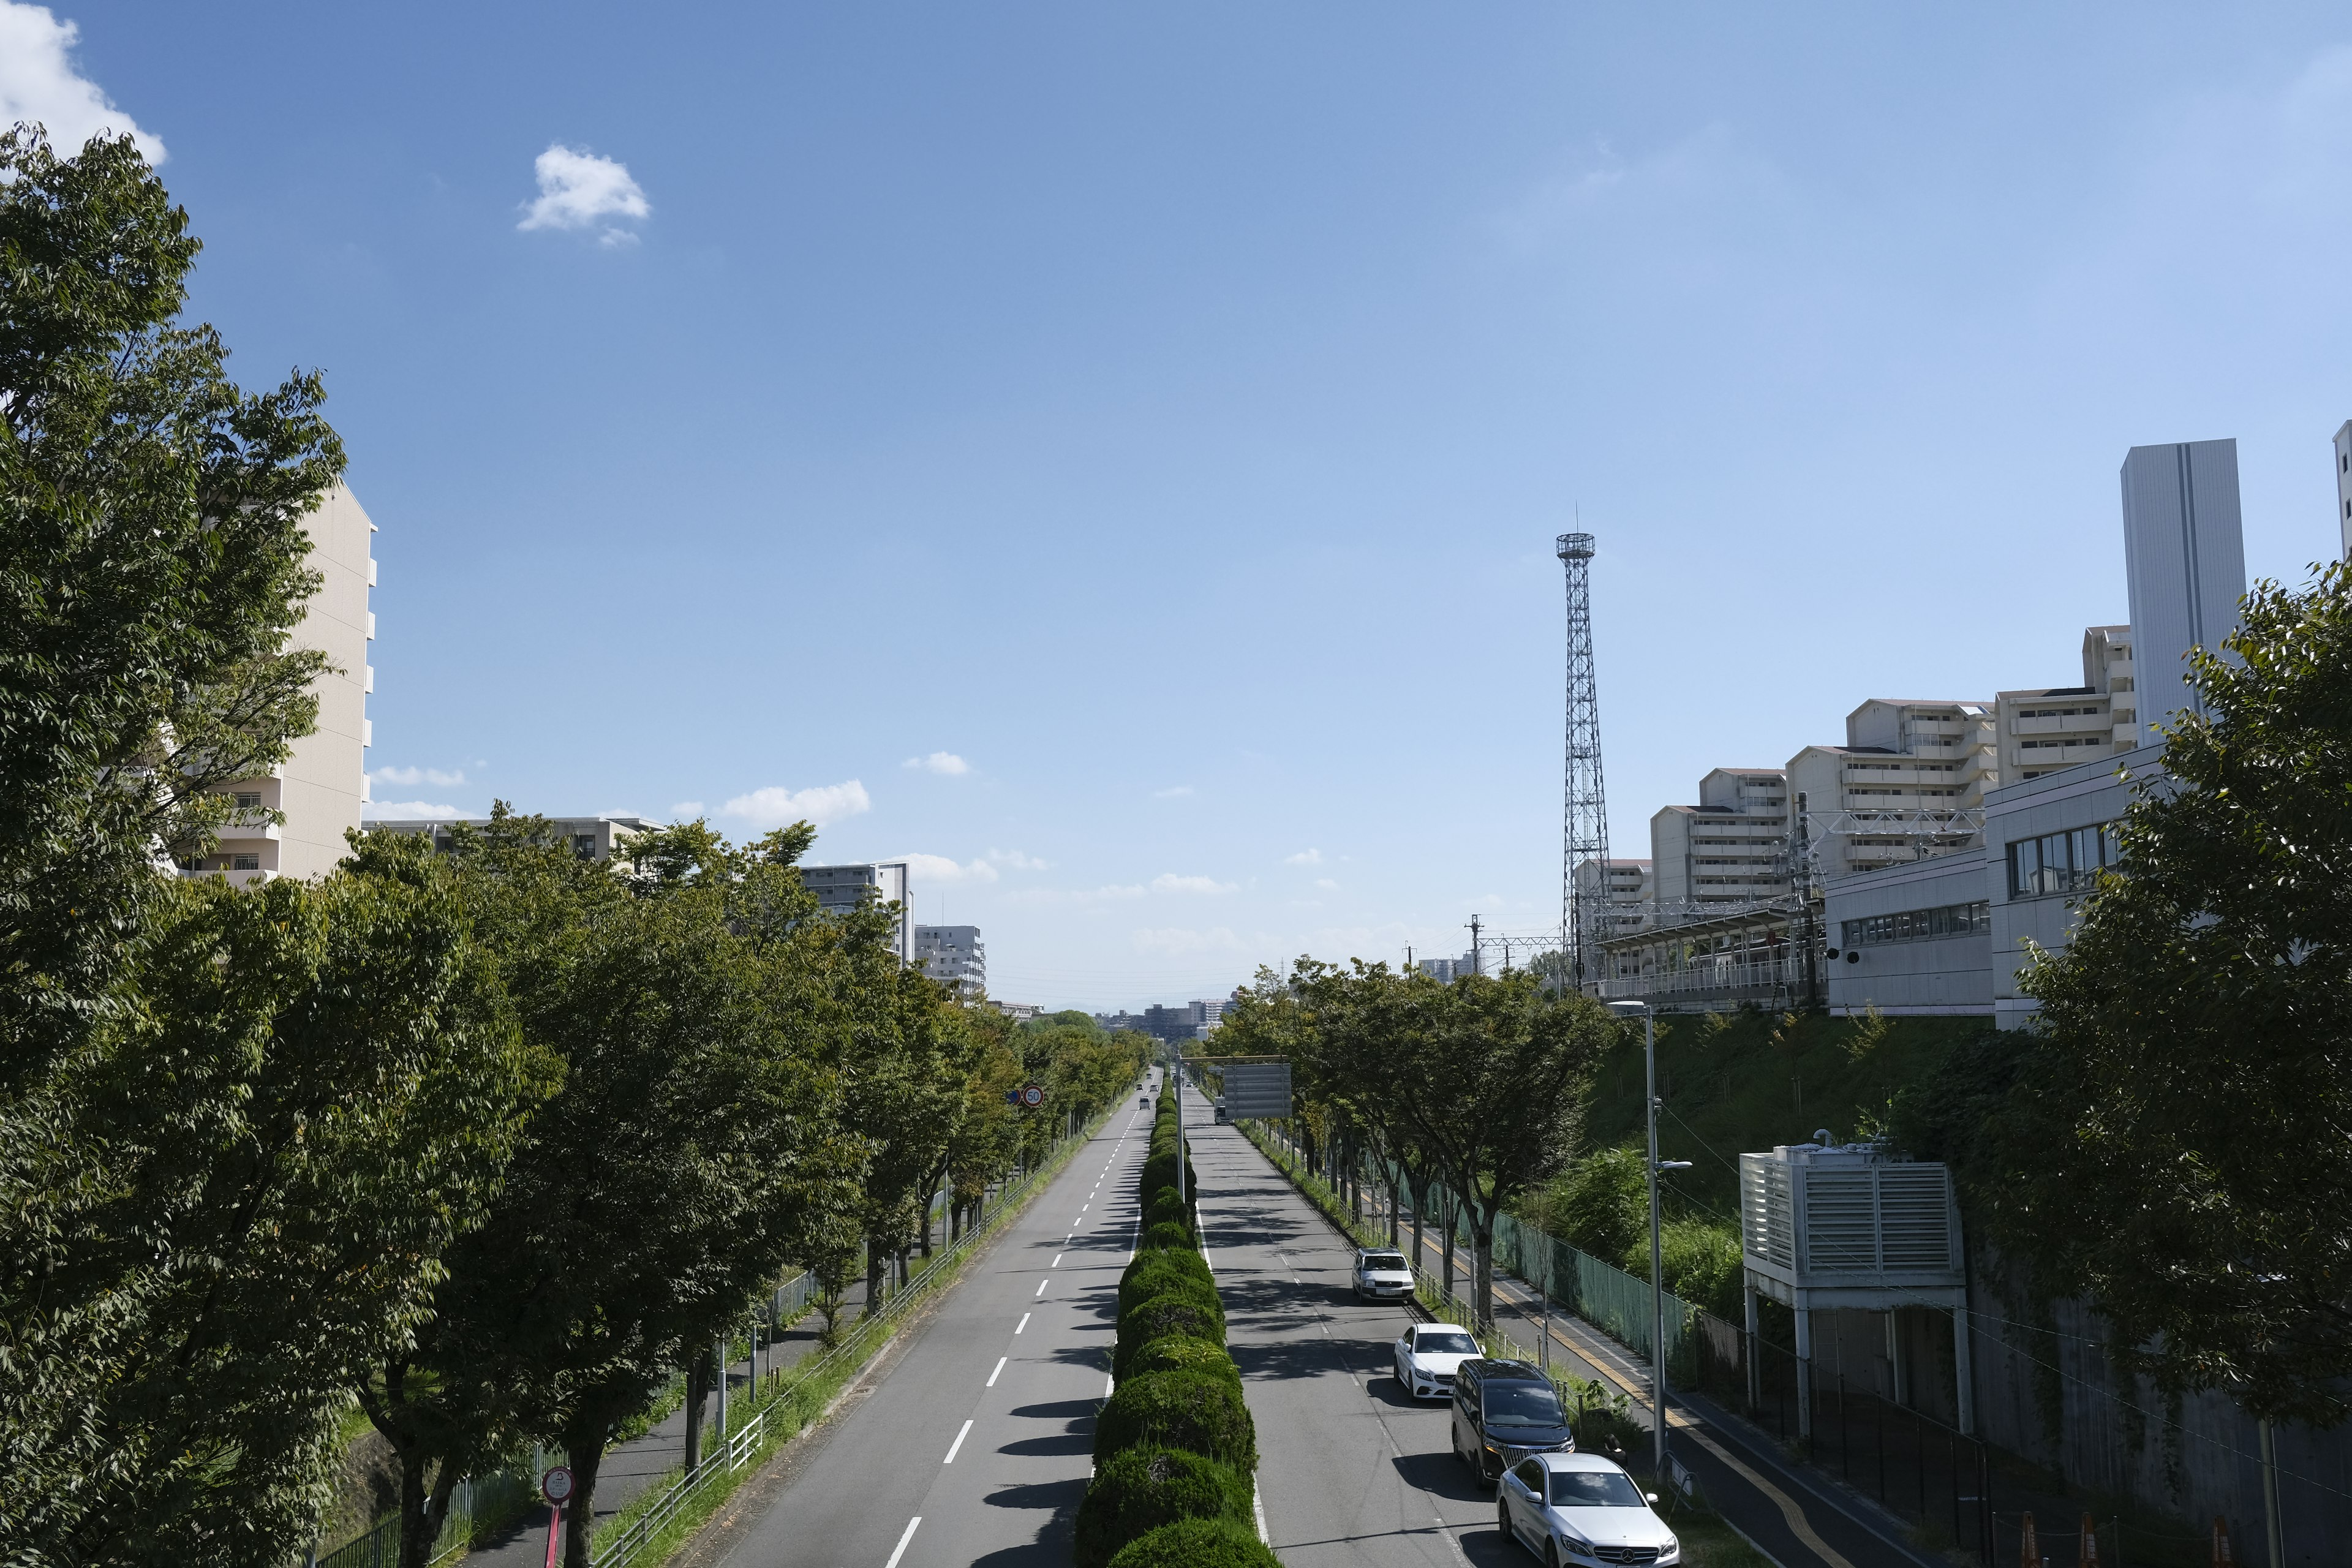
(1258, 1092)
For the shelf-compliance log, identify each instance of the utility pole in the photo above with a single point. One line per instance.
(1584, 913)
(1475, 955)
(1657, 1282)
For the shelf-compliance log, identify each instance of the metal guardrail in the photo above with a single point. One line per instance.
(742, 1444)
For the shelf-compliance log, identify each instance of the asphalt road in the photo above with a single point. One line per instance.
(973, 1446)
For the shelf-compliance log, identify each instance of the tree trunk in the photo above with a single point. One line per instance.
(1420, 1246)
(1482, 1284)
(580, 1512)
(877, 1260)
(697, 1394)
(1445, 1217)
(1394, 1206)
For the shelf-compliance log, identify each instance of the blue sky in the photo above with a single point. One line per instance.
(1116, 451)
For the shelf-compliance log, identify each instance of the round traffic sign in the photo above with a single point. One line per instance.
(556, 1485)
(1033, 1096)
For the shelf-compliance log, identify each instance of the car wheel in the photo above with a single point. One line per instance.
(1503, 1519)
(1551, 1554)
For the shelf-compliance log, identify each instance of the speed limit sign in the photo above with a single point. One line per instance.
(556, 1485)
(1033, 1096)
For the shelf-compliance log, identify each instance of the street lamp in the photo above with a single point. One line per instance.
(1657, 1281)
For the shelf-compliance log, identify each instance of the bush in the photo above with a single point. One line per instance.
(1165, 1207)
(1202, 1298)
(1196, 1411)
(1168, 1264)
(1171, 1237)
(1196, 1544)
(1138, 1491)
(1180, 1353)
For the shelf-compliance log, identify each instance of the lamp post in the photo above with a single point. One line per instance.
(1657, 1281)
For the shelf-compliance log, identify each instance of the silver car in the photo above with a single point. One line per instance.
(1582, 1509)
(1381, 1274)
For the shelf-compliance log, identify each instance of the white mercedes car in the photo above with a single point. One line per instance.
(1579, 1510)
(1427, 1356)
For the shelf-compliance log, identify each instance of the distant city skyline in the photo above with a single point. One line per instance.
(1109, 461)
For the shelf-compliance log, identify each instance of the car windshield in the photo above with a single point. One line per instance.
(1445, 1341)
(1594, 1488)
(1394, 1260)
(1522, 1405)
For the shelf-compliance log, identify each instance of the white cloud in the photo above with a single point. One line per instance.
(419, 775)
(946, 763)
(407, 810)
(1172, 792)
(577, 189)
(823, 805)
(685, 811)
(939, 868)
(39, 82)
(1018, 861)
(1304, 857)
(1175, 940)
(1168, 882)
(1327, 884)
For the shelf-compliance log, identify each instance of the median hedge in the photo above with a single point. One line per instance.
(1138, 1491)
(1174, 1444)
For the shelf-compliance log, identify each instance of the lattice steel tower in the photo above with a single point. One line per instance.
(1584, 828)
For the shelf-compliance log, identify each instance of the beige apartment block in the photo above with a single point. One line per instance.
(1886, 795)
(1729, 849)
(1627, 894)
(322, 784)
(2059, 726)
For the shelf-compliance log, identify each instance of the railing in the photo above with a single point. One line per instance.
(742, 1444)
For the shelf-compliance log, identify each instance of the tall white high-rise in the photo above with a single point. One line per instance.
(2344, 484)
(2184, 562)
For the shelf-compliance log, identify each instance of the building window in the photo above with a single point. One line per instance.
(1919, 925)
(245, 863)
(584, 846)
(2060, 862)
(248, 800)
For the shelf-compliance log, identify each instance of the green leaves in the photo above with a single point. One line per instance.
(2173, 1142)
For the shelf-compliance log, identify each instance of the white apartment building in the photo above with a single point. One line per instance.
(1627, 892)
(954, 956)
(589, 838)
(840, 888)
(2056, 727)
(322, 784)
(1887, 795)
(2344, 485)
(2185, 564)
(1729, 849)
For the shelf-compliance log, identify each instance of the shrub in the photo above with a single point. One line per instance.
(1196, 1544)
(1191, 1410)
(1172, 1237)
(1180, 1353)
(1163, 1315)
(1202, 1298)
(1165, 1206)
(1138, 1491)
(1168, 1264)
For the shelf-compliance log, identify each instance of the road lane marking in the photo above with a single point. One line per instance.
(1040, 1288)
(1056, 1263)
(1109, 1382)
(1022, 1324)
(999, 1372)
(962, 1433)
(902, 1542)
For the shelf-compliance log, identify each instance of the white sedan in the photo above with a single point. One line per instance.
(1578, 1509)
(1427, 1356)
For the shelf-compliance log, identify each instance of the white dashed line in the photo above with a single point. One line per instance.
(902, 1542)
(1040, 1288)
(999, 1372)
(1022, 1324)
(961, 1433)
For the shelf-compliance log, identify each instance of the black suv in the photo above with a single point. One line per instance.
(1504, 1411)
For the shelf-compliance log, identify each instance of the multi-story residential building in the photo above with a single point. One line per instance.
(1626, 893)
(840, 888)
(2344, 485)
(2056, 727)
(2185, 564)
(322, 784)
(1730, 848)
(1186, 1021)
(953, 956)
(1890, 794)
(590, 837)
(1448, 969)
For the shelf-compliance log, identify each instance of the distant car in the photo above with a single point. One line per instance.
(1581, 1508)
(1504, 1411)
(1381, 1274)
(1221, 1108)
(1428, 1354)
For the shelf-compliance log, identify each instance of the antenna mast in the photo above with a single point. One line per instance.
(1584, 835)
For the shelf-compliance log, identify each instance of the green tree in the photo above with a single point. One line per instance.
(248, 1191)
(2172, 1141)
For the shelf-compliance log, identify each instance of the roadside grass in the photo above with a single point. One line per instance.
(797, 1402)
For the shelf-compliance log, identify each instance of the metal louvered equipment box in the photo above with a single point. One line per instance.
(1824, 1227)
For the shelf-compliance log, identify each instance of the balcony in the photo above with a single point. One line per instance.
(2092, 719)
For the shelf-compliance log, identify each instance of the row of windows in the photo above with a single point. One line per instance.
(2060, 862)
(2063, 741)
(2059, 713)
(1919, 925)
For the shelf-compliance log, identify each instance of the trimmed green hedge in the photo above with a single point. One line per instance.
(1136, 1492)
(1143, 1277)
(1156, 1319)
(1166, 1207)
(1204, 1297)
(1196, 1544)
(1192, 1410)
(1171, 1237)
(1180, 1353)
